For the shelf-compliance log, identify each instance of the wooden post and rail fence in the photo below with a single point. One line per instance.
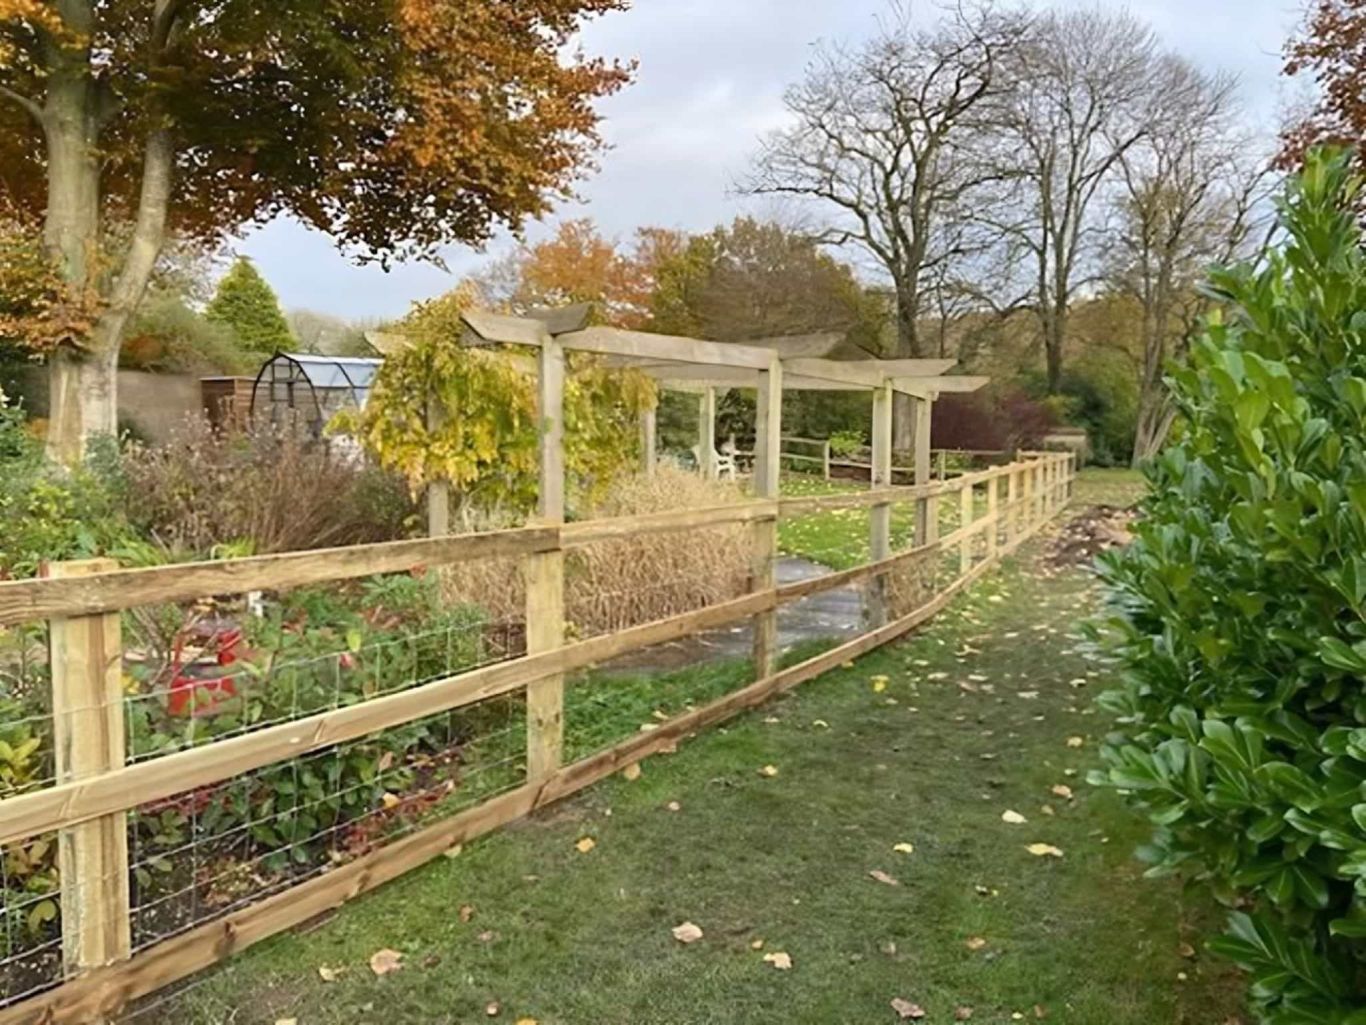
(96, 787)
(816, 456)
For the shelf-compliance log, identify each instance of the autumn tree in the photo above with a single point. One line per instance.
(752, 280)
(396, 126)
(881, 142)
(248, 305)
(1330, 49)
(578, 264)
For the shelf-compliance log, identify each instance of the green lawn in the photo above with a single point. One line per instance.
(975, 720)
(1105, 486)
(839, 538)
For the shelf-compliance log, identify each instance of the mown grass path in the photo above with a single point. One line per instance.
(986, 711)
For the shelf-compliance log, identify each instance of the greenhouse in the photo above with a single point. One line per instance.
(305, 391)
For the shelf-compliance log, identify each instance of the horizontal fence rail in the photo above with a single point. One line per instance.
(96, 790)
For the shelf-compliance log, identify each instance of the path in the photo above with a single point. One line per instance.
(975, 718)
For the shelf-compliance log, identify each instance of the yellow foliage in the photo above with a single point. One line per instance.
(484, 442)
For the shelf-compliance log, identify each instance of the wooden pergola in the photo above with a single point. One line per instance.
(693, 364)
(708, 368)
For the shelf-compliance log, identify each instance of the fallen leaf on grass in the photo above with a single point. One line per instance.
(756, 945)
(286, 1021)
(674, 806)
(779, 960)
(1186, 951)
(1075, 741)
(820, 724)
(329, 974)
(1062, 790)
(879, 684)
(527, 1021)
(585, 845)
(1044, 850)
(975, 943)
(391, 800)
(687, 933)
(466, 912)
(962, 1013)
(769, 770)
(904, 848)
(631, 773)
(492, 1008)
(382, 962)
(1014, 818)
(454, 852)
(883, 877)
(905, 1009)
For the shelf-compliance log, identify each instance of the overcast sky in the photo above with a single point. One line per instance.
(711, 80)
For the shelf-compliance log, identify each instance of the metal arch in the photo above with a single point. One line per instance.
(270, 365)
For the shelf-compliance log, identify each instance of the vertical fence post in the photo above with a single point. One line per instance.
(880, 515)
(965, 510)
(926, 510)
(993, 513)
(649, 426)
(706, 433)
(825, 459)
(438, 491)
(1014, 512)
(86, 656)
(545, 575)
(1032, 494)
(764, 533)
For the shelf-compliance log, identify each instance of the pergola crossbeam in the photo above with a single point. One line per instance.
(692, 363)
(931, 387)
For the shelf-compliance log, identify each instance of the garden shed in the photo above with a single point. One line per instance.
(306, 390)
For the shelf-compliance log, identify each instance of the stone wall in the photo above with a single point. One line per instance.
(150, 405)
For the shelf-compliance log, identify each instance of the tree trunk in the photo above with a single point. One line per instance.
(907, 347)
(83, 401)
(81, 391)
(1155, 417)
(83, 382)
(1054, 331)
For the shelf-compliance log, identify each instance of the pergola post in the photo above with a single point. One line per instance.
(545, 575)
(880, 515)
(764, 550)
(649, 426)
(706, 433)
(926, 509)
